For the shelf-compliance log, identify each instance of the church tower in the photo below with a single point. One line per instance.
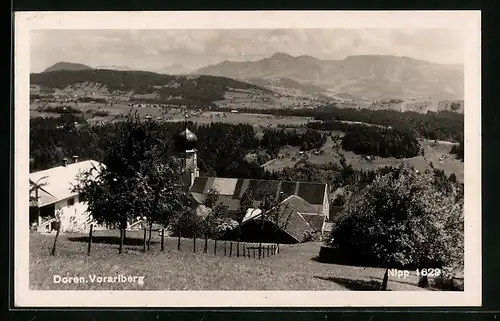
(186, 147)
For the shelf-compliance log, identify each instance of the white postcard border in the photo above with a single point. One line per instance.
(468, 21)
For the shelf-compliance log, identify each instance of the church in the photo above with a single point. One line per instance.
(305, 206)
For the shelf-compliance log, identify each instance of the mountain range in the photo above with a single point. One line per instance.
(366, 76)
(363, 80)
(173, 69)
(176, 69)
(71, 66)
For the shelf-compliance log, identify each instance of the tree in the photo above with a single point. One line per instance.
(402, 219)
(454, 106)
(209, 213)
(267, 204)
(217, 217)
(246, 202)
(280, 216)
(35, 187)
(138, 177)
(162, 191)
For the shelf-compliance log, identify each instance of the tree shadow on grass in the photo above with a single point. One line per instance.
(345, 262)
(110, 240)
(355, 285)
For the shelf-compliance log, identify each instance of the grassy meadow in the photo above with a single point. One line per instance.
(294, 268)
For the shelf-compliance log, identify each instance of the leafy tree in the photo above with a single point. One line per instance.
(267, 204)
(458, 150)
(134, 179)
(181, 221)
(454, 106)
(214, 209)
(246, 202)
(402, 219)
(279, 215)
(161, 188)
(35, 187)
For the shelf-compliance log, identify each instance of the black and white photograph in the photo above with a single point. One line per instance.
(248, 159)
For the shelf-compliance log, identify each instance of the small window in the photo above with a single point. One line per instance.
(71, 201)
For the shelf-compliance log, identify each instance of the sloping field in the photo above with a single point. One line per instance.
(294, 268)
(438, 154)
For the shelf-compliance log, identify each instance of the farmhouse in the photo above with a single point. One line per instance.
(303, 205)
(51, 194)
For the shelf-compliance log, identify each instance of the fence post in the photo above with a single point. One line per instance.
(254, 252)
(225, 252)
(90, 238)
(144, 241)
(244, 250)
(194, 244)
(55, 239)
(384, 281)
(215, 247)
(162, 239)
(230, 249)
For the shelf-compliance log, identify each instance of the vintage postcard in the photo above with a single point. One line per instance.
(247, 159)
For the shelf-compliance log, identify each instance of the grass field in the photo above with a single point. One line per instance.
(294, 268)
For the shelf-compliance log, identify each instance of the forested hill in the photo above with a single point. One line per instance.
(67, 66)
(143, 84)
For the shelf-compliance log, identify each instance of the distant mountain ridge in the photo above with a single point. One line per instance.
(370, 76)
(176, 69)
(114, 67)
(63, 65)
(144, 86)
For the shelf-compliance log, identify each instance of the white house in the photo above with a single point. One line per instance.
(51, 194)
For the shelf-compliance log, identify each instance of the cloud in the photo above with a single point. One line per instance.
(155, 49)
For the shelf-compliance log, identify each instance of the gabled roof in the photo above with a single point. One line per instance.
(313, 193)
(316, 221)
(59, 181)
(301, 205)
(291, 221)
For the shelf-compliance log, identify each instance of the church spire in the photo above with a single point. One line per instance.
(186, 145)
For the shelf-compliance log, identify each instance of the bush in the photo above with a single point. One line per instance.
(311, 236)
(447, 283)
(458, 150)
(100, 113)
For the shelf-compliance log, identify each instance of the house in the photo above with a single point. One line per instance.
(289, 226)
(51, 193)
(310, 198)
(305, 205)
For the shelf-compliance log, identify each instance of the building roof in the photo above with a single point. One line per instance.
(289, 220)
(59, 181)
(188, 135)
(302, 206)
(312, 193)
(316, 221)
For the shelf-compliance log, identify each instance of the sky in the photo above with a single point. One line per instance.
(154, 50)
